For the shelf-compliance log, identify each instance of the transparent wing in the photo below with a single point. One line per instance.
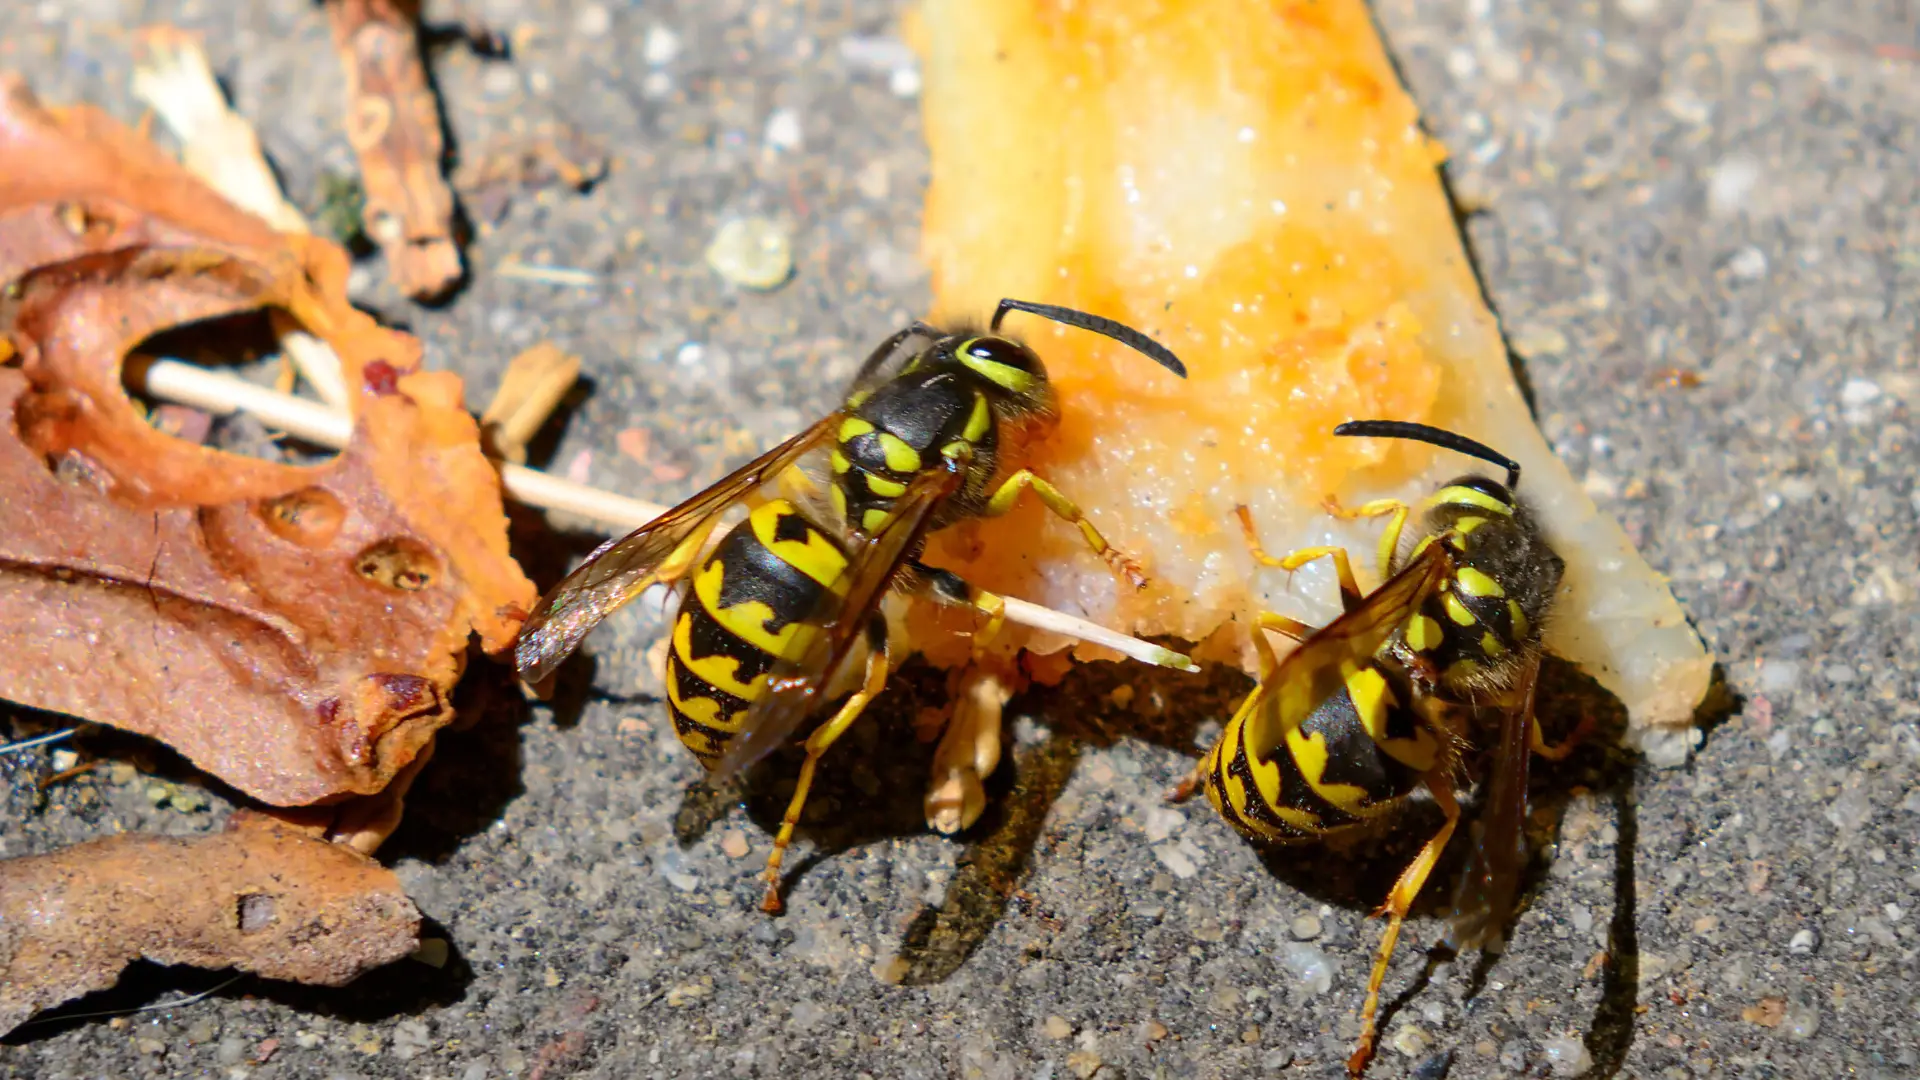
(1484, 898)
(1315, 669)
(660, 550)
(795, 687)
(893, 356)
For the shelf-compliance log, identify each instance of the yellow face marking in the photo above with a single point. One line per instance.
(839, 461)
(1423, 634)
(1012, 378)
(1456, 610)
(979, 421)
(1520, 626)
(873, 519)
(815, 556)
(719, 672)
(1372, 698)
(1467, 524)
(1476, 583)
(901, 458)
(853, 427)
(885, 488)
(1490, 644)
(1461, 495)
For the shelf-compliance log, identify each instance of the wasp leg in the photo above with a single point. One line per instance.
(1003, 500)
(817, 745)
(1350, 595)
(1280, 624)
(947, 587)
(1390, 539)
(1559, 751)
(1398, 902)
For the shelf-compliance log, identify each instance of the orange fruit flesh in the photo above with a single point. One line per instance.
(1247, 183)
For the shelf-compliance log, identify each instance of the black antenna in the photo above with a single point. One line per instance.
(1118, 331)
(1401, 429)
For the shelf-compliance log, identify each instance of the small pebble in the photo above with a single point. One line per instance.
(432, 952)
(1567, 1055)
(231, 1051)
(734, 843)
(592, 21)
(1748, 264)
(687, 993)
(783, 130)
(1309, 965)
(1730, 184)
(754, 253)
(1410, 1040)
(1175, 860)
(158, 794)
(1305, 927)
(1802, 1020)
(1084, 1063)
(1057, 1027)
(1436, 1066)
(660, 47)
(150, 1046)
(188, 799)
(62, 760)
(1803, 942)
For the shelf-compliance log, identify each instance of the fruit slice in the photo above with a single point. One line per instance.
(1247, 181)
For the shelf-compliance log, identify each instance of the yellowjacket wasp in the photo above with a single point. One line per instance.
(1380, 701)
(784, 611)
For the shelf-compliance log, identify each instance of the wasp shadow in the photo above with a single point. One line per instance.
(871, 786)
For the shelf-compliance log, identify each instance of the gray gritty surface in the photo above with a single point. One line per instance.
(1724, 188)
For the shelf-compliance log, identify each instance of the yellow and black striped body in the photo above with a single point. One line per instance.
(758, 598)
(1484, 619)
(1361, 752)
(947, 402)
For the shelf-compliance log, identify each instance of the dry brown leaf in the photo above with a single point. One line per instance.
(393, 124)
(292, 630)
(535, 383)
(259, 897)
(511, 165)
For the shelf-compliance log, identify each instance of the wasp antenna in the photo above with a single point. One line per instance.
(1118, 331)
(1401, 429)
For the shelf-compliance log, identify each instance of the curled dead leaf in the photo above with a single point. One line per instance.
(259, 897)
(294, 631)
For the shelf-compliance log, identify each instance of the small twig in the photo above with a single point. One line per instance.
(173, 380)
(547, 275)
(37, 740)
(176, 1003)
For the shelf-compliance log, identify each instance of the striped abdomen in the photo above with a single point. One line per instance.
(750, 605)
(1361, 751)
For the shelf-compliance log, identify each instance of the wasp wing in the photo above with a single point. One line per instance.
(893, 356)
(1484, 898)
(796, 686)
(1316, 669)
(619, 570)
